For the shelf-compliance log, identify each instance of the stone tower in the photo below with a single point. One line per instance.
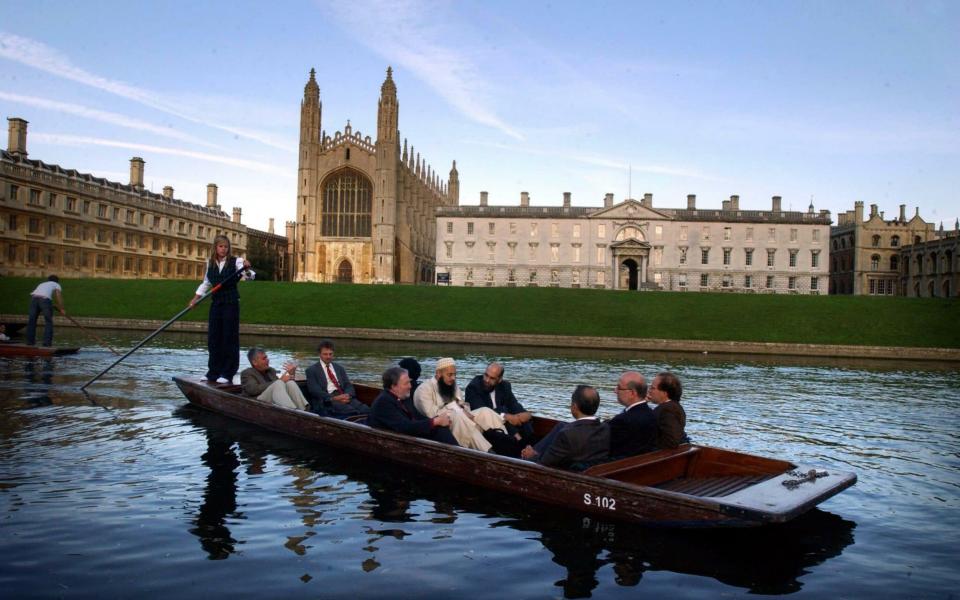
(307, 209)
(453, 186)
(385, 183)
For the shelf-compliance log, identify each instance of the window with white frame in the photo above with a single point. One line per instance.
(726, 255)
(576, 230)
(793, 234)
(683, 255)
(704, 256)
(793, 258)
(601, 230)
(727, 234)
(704, 280)
(658, 232)
(684, 232)
(771, 256)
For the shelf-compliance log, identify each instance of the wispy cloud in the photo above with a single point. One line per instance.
(44, 58)
(81, 141)
(404, 33)
(103, 116)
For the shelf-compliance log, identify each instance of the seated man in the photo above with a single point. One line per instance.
(492, 391)
(393, 409)
(331, 393)
(634, 430)
(261, 382)
(665, 392)
(580, 443)
(440, 395)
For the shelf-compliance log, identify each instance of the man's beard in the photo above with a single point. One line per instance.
(447, 391)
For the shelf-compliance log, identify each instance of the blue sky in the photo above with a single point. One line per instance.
(834, 101)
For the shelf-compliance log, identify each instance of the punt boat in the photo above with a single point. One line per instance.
(8, 349)
(688, 486)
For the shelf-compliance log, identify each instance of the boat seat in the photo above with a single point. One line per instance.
(358, 419)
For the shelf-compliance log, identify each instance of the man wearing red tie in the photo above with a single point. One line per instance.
(331, 393)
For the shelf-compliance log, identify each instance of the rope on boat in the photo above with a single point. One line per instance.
(811, 475)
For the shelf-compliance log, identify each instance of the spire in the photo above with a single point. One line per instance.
(388, 87)
(453, 171)
(311, 89)
(404, 150)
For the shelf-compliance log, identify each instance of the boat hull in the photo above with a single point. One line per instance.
(598, 495)
(7, 349)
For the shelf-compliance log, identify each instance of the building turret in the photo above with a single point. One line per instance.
(385, 183)
(136, 172)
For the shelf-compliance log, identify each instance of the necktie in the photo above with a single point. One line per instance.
(333, 378)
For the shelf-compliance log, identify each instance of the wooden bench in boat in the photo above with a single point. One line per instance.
(693, 470)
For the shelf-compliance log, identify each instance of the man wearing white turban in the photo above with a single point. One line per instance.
(441, 395)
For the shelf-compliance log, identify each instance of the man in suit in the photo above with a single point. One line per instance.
(261, 382)
(633, 431)
(331, 392)
(580, 443)
(492, 391)
(393, 410)
(665, 392)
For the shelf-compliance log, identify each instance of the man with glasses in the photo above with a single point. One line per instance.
(492, 391)
(634, 430)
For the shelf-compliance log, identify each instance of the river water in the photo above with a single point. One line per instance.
(128, 492)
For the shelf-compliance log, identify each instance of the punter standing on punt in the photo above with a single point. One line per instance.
(223, 324)
(41, 302)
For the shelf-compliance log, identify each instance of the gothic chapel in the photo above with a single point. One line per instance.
(365, 208)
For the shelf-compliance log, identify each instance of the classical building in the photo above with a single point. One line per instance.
(365, 208)
(56, 220)
(633, 245)
(931, 268)
(865, 253)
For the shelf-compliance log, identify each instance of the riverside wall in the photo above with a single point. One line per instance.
(536, 340)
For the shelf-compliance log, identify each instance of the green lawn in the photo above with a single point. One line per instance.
(925, 322)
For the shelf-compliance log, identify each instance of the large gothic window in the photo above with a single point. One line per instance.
(347, 197)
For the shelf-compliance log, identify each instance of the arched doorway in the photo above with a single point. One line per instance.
(932, 290)
(630, 271)
(946, 288)
(345, 272)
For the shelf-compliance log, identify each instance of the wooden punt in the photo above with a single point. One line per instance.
(689, 486)
(8, 349)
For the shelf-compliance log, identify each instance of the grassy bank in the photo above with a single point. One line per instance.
(920, 322)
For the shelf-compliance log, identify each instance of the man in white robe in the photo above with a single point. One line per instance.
(441, 395)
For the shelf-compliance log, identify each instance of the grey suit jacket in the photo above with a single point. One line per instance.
(581, 443)
(254, 382)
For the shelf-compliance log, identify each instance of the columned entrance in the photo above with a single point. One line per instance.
(631, 258)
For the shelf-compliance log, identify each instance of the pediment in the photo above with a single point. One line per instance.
(629, 209)
(630, 244)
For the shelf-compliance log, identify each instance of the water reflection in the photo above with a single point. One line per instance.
(39, 371)
(768, 560)
(219, 496)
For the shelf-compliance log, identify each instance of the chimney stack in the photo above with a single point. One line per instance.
(607, 200)
(647, 200)
(236, 215)
(691, 202)
(873, 210)
(17, 136)
(734, 202)
(212, 196)
(270, 226)
(168, 192)
(725, 204)
(776, 204)
(566, 199)
(136, 172)
(858, 211)
(524, 199)
(903, 213)
(483, 198)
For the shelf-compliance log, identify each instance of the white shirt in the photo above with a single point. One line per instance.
(206, 285)
(331, 388)
(493, 397)
(46, 290)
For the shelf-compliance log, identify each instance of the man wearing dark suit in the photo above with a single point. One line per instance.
(665, 392)
(394, 410)
(580, 443)
(633, 431)
(492, 391)
(331, 392)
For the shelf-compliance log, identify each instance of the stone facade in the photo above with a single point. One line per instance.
(56, 220)
(365, 208)
(632, 245)
(931, 269)
(865, 253)
(269, 254)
